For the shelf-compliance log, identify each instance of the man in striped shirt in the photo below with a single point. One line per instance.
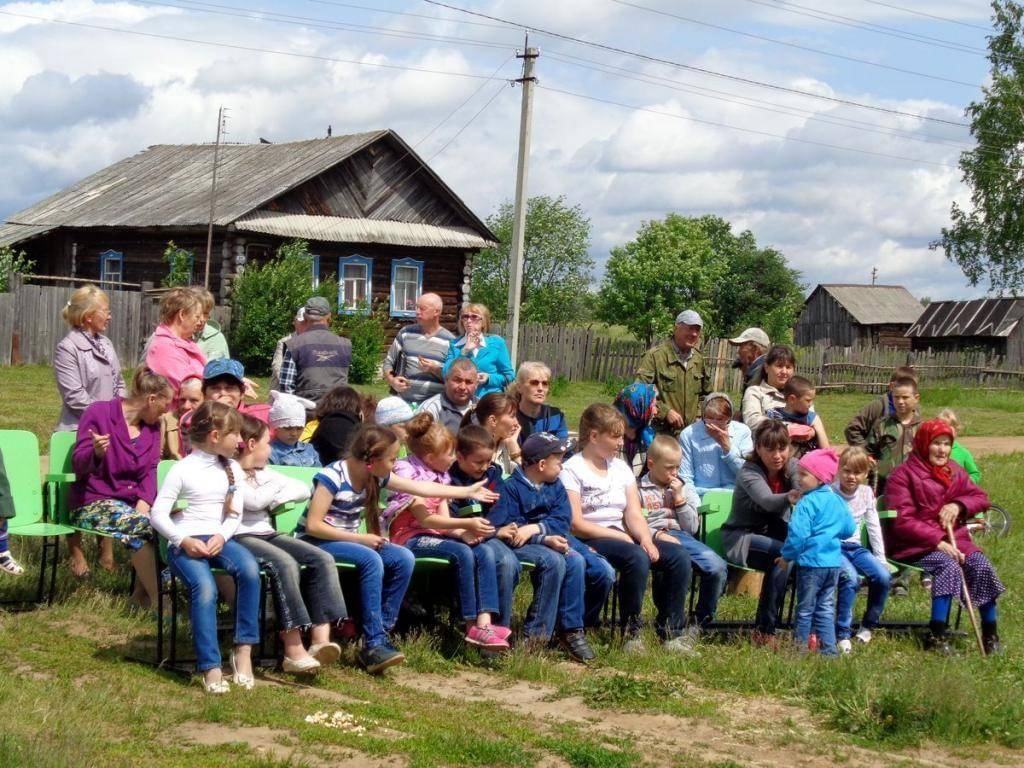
(412, 366)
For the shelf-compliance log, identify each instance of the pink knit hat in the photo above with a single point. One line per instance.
(823, 463)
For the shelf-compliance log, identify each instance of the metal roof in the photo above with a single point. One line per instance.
(168, 185)
(975, 317)
(349, 230)
(874, 304)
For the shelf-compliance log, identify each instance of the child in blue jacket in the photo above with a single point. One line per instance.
(820, 522)
(533, 517)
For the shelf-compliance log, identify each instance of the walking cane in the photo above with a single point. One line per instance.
(967, 594)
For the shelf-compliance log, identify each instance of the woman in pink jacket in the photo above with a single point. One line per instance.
(929, 493)
(171, 352)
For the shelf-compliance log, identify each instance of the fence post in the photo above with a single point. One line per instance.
(823, 370)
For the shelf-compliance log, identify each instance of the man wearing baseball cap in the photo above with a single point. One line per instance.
(752, 345)
(315, 360)
(676, 368)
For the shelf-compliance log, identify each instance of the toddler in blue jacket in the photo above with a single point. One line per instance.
(820, 522)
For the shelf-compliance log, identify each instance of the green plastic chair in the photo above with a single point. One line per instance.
(20, 450)
(60, 477)
(714, 511)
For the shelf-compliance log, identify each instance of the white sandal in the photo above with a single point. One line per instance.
(219, 687)
(241, 679)
(9, 565)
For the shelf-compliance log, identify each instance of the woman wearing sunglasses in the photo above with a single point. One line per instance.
(487, 351)
(533, 383)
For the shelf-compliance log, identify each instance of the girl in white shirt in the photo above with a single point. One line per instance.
(200, 538)
(302, 599)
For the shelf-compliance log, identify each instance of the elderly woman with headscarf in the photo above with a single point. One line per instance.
(931, 494)
(638, 404)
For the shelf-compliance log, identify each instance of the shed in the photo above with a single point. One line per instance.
(992, 325)
(845, 315)
(379, 220)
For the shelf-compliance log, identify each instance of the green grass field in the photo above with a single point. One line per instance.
(70, 696)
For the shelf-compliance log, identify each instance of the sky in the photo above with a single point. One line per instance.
(631, 131)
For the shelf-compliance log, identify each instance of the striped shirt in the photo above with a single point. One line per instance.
(403, 358)
(347, 506)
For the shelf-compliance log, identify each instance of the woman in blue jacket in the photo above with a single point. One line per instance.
(487, 351)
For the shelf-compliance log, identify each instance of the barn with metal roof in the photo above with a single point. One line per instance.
(993, 325)
(846, 315)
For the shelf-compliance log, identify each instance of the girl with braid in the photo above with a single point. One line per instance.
(200, 538)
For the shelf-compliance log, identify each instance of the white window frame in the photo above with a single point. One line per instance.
(397, 310)
(367, 264)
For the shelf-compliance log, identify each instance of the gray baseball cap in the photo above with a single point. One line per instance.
(689, 317)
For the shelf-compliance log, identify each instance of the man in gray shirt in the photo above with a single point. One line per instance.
(412, 366)
(458, 397)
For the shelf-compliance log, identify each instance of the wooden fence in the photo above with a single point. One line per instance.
(580, 354)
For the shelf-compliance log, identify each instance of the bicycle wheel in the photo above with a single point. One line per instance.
(993, 522)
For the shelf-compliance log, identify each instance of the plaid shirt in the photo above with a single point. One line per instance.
(289, 373)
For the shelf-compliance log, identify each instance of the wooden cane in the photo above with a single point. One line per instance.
(967, 594)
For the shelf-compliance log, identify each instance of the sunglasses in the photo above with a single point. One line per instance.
(472, 317)
(539, 383)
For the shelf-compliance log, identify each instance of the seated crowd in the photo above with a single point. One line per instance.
(466, 461)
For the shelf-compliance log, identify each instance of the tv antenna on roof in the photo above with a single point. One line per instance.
(222, 129)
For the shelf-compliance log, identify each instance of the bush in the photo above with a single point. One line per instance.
(179, 266)
(12, 261)
(368, 334)
(264, 300)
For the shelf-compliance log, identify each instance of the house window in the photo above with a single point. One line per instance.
(315, 268)
(406, 286)
(260, 252)
(355, 284)
(111, 268)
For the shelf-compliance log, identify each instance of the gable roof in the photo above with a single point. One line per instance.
(874, 304)
(168, 185)
(975, 317)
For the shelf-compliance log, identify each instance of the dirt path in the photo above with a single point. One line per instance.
(983, 446)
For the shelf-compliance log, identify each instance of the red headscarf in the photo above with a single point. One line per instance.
(926, 434)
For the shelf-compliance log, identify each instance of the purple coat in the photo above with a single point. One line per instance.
(917, 497)
(87, 370)
(127, 471)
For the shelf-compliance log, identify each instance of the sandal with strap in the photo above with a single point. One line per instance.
(242, 680)
(9, 565)
(219, 687)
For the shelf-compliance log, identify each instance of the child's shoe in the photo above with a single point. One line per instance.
(864, 635)
(845, 646)
(502, 632)
(325, 653)
(486, 637)
(304, 666)
(575, 644)
(241, 679)
(379, 658)
(683, 644)
(9, 565)
(634, 644)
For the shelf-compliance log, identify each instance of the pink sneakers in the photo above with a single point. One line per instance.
(488, 637)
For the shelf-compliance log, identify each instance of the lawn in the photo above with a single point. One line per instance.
(71, 697)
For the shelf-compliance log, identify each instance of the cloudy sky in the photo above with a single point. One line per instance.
(838, 188)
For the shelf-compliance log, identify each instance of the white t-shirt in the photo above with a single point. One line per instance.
(603, 498)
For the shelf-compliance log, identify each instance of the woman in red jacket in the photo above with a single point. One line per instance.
(930, 492)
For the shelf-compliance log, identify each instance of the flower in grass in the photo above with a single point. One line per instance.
(343, 721)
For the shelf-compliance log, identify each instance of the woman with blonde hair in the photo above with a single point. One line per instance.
(533, 383)
(487, 351)
(172, 353)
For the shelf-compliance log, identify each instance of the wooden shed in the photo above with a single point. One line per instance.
(844, 315)
(992, 325)
(380, 222)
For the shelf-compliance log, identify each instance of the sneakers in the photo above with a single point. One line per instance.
(575, 644)
(325, 653)
(864, 635)
(845, 646)
(634, 644)
(377, 659)
(684, 644)
(9, 565)
(486, 637)
(502, 632)
(304, 666)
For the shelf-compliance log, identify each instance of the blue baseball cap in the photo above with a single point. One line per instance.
(224, 366)
(541, 445)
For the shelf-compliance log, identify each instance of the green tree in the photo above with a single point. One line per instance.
(988, 239)
(11, 262)
(179, 264)
(698, 263)
(556, 265)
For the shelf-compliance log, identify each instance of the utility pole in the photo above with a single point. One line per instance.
(221, 129)
(515, 277)
(874, 275)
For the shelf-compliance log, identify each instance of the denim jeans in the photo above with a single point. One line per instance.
(558, 590)
(301, 597)
(476, 577)
(507, 565)
(383, 576)
(197, 574)
(598, 577)
(858, 560)
(714, 572)
(669, 584)
(816, 607)
(762, 554)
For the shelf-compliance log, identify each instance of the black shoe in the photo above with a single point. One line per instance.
(992, 645)
(377, 659)
(575, 644)
(937, 640)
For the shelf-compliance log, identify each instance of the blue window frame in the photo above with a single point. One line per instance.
(355, 284)
(111, 268)
(406, 286)
(315, 267)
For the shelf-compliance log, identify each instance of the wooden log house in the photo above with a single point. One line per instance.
(842, 315)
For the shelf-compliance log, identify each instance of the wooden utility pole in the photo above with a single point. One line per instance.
(874, 275)
(213, 196)
(515, 277)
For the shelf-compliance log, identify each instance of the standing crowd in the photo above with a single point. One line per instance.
(466, 461)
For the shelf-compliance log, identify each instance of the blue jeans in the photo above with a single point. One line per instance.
(476, 577)
(558, 590)
(714, 572)
(598, 577)
(816, 607)
(763, 551)
(383, 575)
(197, 574)
(858, 560)
(507, 565)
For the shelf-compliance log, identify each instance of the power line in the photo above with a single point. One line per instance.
(754, 131)
(407, 13)
(704, 70)
(797, 46)
(247, 48)
(929, 15)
